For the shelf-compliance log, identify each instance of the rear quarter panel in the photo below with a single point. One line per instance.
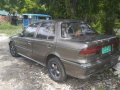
(69, 50)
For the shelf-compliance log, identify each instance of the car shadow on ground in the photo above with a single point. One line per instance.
(24, 74)
(32, 74)
(22, 69)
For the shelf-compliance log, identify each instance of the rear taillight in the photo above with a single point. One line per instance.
(91, 50)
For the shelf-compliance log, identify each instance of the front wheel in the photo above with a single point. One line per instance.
(13, 50)
(56, 70)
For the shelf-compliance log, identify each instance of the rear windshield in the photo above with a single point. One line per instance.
(75, 29)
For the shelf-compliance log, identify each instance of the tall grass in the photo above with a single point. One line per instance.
(7, 28)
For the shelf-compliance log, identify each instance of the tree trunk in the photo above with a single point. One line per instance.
(109, 24)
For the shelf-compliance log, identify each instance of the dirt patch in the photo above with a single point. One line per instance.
(23, 74)
(3, 37)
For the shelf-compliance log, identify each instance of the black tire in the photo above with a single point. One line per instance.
(13, 50)
(56, 70)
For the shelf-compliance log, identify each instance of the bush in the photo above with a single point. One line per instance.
(117, 25)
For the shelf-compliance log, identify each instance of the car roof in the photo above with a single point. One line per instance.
(62, 20)
(59, 21)
(41, 15)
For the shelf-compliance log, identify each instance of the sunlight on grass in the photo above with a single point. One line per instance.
(7, 28)
(118, 34)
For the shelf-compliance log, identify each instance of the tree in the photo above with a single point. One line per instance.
(100, 13)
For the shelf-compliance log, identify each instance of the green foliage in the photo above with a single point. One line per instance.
(117, 25)
(100, 13)
(22, 6)
(102, 87)
(5, 26)
(9, 29)
(98, 27)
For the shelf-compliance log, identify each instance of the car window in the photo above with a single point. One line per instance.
(46, 31)
(86, 29)
(29, 32)
(34, 25)
(75, 29)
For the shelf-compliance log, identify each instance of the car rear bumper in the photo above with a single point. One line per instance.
(84, 71)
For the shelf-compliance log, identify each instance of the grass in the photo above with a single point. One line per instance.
(8, 29)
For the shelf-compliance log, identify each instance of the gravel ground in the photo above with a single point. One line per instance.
(23, 74)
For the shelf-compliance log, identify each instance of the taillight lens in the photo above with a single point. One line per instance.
(90, 50)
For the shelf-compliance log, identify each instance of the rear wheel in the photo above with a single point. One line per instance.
(13, 50)
(56, 70)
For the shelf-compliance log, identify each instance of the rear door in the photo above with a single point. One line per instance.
(44, 42)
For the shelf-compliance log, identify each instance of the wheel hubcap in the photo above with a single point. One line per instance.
(54, 70)
(12, 49)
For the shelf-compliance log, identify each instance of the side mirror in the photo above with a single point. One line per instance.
(20, 34)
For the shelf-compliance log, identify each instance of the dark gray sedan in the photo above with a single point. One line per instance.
(66, 47)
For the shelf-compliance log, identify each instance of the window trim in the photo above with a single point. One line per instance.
(34, 35)
(47, 36)
(74, 22)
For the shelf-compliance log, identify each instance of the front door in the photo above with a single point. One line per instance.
(24, 46)
(24, 43)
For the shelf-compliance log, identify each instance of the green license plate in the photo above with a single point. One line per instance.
(106, 49)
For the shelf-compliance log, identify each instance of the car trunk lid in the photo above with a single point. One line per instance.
(102, 45)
